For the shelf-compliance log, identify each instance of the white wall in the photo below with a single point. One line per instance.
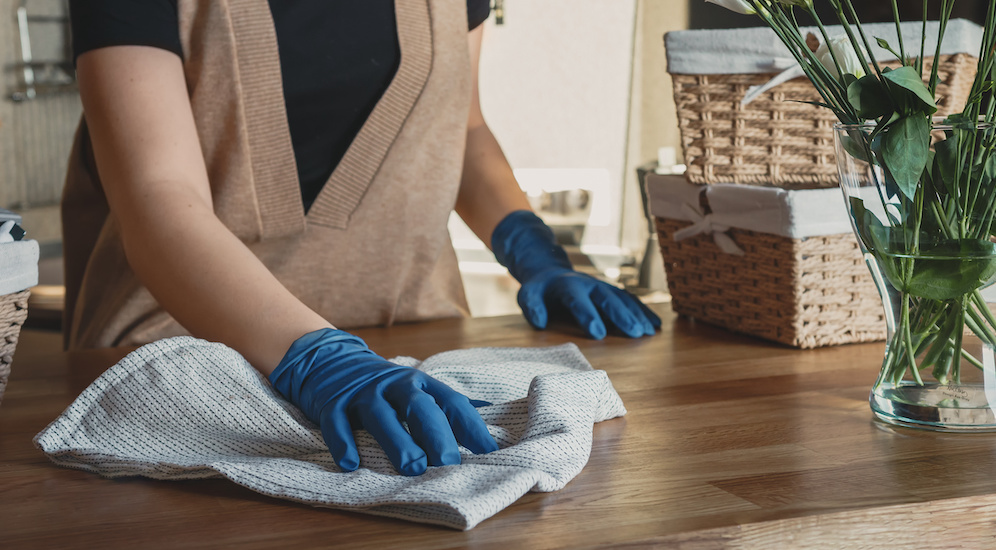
(653, 116)
(555, 89)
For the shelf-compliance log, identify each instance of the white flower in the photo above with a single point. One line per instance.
(846, 57)
(739, 6)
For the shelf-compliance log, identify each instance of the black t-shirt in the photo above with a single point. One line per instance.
(336, 60)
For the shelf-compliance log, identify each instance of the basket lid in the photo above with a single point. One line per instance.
(18, 266)
(758, 50)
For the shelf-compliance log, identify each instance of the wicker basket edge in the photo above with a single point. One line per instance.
(775, 291)
(13, 312)
(778, 140)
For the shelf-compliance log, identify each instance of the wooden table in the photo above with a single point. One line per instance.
(730, 442)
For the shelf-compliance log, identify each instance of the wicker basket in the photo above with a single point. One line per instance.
(806, 293)
(13, 312)
(775, 140)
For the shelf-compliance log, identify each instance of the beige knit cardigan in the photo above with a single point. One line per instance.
(372, 250)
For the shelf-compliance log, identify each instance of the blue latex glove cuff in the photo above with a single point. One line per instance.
(341, 385)
(524, 244)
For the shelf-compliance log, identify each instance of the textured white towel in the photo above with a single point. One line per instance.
(18, 266)
(183, 408)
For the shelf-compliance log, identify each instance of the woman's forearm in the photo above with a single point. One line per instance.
(153, 174)
(211, 283)
(488, 190)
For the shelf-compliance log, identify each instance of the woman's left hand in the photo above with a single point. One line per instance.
(527, 247)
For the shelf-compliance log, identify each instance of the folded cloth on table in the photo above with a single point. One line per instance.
(183, 408)
(18, 266)
(792, 213)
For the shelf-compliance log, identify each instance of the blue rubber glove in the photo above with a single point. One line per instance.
(339, 384)
(526, 246)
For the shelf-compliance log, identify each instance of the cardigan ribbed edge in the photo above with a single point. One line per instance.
(272, 152)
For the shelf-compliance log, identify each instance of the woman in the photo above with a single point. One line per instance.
(252, 172)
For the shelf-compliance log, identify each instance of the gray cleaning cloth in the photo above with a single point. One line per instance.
(183, 408)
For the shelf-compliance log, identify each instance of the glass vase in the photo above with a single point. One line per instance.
(927, 243)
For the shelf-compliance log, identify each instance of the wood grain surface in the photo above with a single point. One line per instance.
(730, 442)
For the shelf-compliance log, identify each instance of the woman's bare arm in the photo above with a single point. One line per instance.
(488, 190)
(153, 173)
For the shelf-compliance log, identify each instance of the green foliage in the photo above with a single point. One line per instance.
(909, 91)
(864, 222)
(929, 223)
(946, 163)
(905, 150)
(869, 98)
(951, 270)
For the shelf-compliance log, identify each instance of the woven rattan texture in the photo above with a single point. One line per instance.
(775, 140)
(806, 293)
(13, 312)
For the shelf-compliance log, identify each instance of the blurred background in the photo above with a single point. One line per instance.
(576, 91)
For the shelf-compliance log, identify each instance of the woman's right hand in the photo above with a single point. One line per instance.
(339, 384)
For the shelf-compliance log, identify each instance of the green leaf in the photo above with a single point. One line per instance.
(905, 150)
(885, 252)
(869, 98)
(946, 162)
(958, 120)
(858, 213)
(892, 189)
(950, 270)
(919, 96)
(854, 145)
(990, 167)
(928, 174)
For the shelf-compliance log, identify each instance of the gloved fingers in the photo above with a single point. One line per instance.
(640, 309)
(531, 303)
(617, 311)
(338, 434)
(430, 429)
(573, 291)
(654, 319)
(381, 420)
(464, 420)
(479, 403)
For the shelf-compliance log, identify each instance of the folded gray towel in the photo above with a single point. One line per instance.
(758, 49)
(183, 408)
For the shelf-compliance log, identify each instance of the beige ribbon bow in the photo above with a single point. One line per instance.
(707, 224)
